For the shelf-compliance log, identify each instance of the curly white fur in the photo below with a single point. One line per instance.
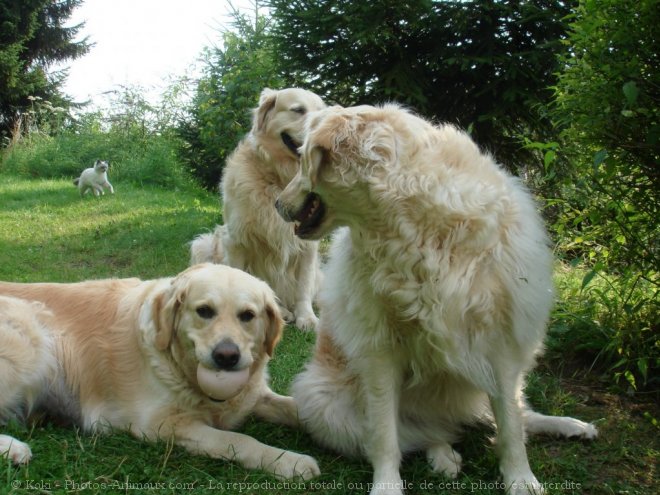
(436, 296)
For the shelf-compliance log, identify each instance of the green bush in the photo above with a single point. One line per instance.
(220, 112)
(611, 321)
(605, 174)
(135, 138)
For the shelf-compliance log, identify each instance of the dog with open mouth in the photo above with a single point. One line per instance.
(436, 295)
(181, 358)
(254, 238)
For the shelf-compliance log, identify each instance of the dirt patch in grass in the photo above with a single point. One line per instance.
(624, 458)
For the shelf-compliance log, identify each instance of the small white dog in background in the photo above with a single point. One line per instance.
(94, 179)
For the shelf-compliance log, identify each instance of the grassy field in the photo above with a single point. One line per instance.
(48, 233)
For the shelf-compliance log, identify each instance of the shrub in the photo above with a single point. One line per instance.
(604, 170)
(220, 112)
(139, 147)
(611, 321)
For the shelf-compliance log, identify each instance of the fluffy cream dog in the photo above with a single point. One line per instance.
(254, 238)
(128, 353)
(436, 296)
(94, 179)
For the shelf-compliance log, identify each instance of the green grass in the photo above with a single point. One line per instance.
(48, 233)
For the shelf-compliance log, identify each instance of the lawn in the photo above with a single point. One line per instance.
(49, 233)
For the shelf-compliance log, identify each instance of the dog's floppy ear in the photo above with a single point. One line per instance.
(274, 326)
(313, 158)
(325, 135)
(363, 137)
(377, 141)
(165, 312)
(328, 128)
(266, 104)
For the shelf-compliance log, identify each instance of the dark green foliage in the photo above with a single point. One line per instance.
(486, 66)
(610, 88)
(220, 114)
(607, 108)
(32, 38)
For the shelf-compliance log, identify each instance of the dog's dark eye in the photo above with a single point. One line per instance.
(246, 315)
(300, 110)
(206, 312)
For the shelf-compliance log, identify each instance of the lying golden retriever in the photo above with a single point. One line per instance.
(254, 238)
(148, 356)
(436, 295)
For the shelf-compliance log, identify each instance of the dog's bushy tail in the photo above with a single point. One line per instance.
(327, 409)
(208, 247)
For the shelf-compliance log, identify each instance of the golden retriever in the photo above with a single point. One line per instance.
(127, 354)
(436, 294)
(254, 238)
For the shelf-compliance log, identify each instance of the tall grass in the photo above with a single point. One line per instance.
(152, 160)
(609, 322)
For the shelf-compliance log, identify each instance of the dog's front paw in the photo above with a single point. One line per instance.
(387, 488)
(292, 465)
(307, 322)
(444, 460)
(528, 485)
(15, 450)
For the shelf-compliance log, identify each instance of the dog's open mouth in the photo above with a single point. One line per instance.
(310, 217)
(290, 143)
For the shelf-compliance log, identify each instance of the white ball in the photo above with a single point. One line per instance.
(220, 384)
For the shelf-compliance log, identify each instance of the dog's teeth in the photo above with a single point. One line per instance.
(315, 204)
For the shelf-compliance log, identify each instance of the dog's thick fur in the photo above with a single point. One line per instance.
(124, 354)
(254, 238)
(94, 179)
(435, 299)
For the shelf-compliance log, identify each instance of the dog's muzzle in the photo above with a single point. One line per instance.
(290, 143)
(308, 218)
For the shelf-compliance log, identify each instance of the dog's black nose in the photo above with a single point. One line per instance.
(226, 354)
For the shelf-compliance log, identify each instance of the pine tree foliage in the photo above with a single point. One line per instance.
(33, 37)
(484, 65)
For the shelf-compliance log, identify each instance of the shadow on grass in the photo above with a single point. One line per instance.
(48, 233)
(22, 194)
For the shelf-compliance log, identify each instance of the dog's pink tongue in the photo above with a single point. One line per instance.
(221, 385)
